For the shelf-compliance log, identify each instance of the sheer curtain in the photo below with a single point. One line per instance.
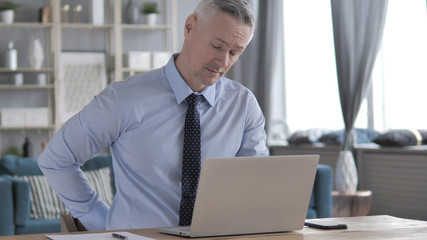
(312, 99)
(260, 68)
(358, 27)
(399, 76)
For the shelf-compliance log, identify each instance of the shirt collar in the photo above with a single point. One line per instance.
(180, 88)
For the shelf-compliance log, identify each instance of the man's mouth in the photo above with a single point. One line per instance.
(215, 70)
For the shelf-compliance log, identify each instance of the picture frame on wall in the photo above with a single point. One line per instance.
(82, 76)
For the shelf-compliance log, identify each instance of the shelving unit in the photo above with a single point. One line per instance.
(55, 33)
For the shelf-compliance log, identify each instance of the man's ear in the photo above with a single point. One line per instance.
(189, 25)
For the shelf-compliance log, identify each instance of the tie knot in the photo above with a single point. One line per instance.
(193, 100)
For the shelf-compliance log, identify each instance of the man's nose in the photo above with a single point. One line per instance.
(222, 59)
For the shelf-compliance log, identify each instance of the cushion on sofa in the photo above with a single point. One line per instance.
(401, 138)
(45, 204)
(21, 194)
(100, 180)
(337, 137)
(6, 207)
(308, 136)
(101, 161)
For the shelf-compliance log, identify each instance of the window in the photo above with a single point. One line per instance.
(400, 73)
(399, 77)
(312, 97)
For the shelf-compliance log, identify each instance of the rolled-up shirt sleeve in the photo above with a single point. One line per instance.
(85, 134)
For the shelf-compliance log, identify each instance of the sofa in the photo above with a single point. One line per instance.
(16, 211)
(320, 205)
(6, 207)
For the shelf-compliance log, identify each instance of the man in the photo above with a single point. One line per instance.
(142, 120)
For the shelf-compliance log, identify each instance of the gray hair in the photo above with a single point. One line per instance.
(240, 9)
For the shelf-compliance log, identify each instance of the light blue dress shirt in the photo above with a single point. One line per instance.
(141, 119)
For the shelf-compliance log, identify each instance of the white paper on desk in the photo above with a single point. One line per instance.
(97, 236)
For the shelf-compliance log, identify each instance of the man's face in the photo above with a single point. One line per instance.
(213, 43)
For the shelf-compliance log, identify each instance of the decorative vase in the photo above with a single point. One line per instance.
(98, 12)
(11, 57)
(151, 19)
(41, 79)
(18, 79)
(133, 12)
(346, 173)
(7, 16)
(35, 54)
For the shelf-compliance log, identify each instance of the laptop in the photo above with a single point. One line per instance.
(251, 195)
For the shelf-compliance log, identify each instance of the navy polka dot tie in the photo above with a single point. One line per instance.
(190, 161)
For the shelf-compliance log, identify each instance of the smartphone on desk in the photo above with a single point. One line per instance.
(325, 225)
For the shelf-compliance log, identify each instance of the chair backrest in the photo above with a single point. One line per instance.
(70, 224)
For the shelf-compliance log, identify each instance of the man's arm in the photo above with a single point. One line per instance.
(84, 135)
(254, 142)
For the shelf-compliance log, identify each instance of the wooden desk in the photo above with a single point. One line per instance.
(365, 227)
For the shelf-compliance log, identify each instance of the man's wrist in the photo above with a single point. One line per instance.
(95, 219)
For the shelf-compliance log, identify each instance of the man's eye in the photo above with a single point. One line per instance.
(216, 47)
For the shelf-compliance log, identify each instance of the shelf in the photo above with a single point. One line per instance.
(85, 26)
(25, 86)
(135, 70)
(50, 127)
(109, 26)
(26, 70)
(26, 25)
(146, 27)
